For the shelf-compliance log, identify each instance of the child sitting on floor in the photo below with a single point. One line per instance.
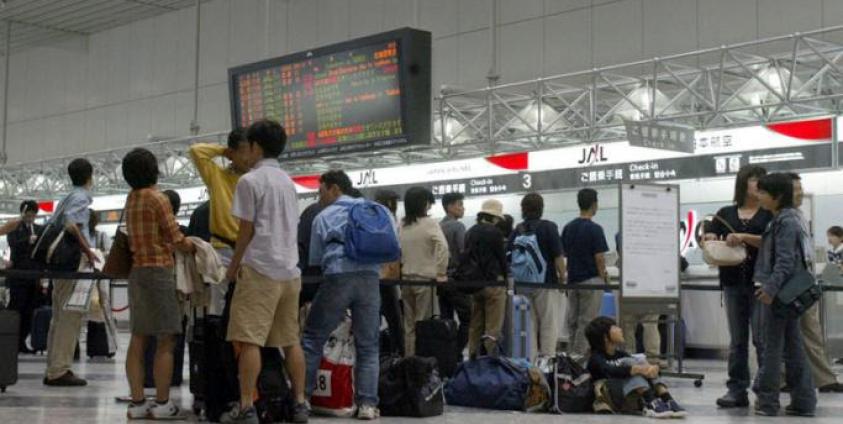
(626, 383)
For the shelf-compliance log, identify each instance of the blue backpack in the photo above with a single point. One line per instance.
(528, 263)
(370, 235)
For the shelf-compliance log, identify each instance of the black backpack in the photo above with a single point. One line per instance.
(410, 387)
(275, 399)
(469, 270)
(572, 386)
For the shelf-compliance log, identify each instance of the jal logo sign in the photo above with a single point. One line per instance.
(366, 178)
(592, 155)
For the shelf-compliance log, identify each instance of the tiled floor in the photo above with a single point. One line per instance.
(29, 402)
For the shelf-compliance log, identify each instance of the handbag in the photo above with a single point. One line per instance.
(799, 293)
(119, 262)
(718, 253)
(56, 249)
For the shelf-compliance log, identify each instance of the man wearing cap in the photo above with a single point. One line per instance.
(484, 259)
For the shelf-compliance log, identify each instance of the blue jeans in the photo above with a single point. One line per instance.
(339, 292)
(742, 313)
(783, 337)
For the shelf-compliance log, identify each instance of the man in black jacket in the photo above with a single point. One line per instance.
(25, 295)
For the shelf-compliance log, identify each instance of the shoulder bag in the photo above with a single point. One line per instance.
(56, 249)
(718, 253)
(799, 293)
(118, 264)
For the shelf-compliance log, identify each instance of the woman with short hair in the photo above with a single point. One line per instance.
(780, 257)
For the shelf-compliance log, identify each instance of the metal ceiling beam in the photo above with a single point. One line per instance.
(153, 4)
(731, 88)
(47, 27)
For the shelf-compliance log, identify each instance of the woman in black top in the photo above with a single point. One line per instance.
(749, 221)
(484, 259)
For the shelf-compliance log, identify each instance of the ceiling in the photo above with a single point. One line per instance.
(36, 22)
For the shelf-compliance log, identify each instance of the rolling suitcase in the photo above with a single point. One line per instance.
(41, 331)
(438, 338)
(521, 327)
(195, 352)
(96, 342)
(218, 365)
(41, 328)
(219, 369)
(9, 328)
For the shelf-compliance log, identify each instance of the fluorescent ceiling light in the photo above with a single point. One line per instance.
(453, 131)
(642, 98)
(529, 121)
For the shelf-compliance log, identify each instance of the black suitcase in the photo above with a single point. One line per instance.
(219, 370)
(9, 330)
(437, 338)
(41, 328)
(195, 353)
(96, 343)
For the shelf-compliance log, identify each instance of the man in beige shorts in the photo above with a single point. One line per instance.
(264, 307)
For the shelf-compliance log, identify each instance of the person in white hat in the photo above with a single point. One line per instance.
(484, 259)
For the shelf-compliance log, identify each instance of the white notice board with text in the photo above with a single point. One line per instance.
(650, 241)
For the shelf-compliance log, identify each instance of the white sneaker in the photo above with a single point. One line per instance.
(368, 413)
(139, 412)
(167, 411)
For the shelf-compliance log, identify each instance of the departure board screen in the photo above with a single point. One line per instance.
(348, 97)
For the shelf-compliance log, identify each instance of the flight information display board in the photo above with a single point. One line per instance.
(362, 94)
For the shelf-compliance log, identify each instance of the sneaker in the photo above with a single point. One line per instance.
(678, 411)
(240, 416)
(731, 400)
(832, 388)
(765, 412)
(657, 409)
(793, 412)
(67, 380)
(167, 411)
(301, 413)
(368, 413)
(141, 411)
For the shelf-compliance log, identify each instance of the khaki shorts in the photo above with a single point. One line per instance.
(264, 312)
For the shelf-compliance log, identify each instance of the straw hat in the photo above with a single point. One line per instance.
(492, 207)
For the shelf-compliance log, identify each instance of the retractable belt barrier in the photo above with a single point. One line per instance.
(60, 275)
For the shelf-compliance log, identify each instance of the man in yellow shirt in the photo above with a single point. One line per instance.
(220, 181)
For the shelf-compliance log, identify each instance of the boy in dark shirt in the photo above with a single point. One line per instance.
(630, 380)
